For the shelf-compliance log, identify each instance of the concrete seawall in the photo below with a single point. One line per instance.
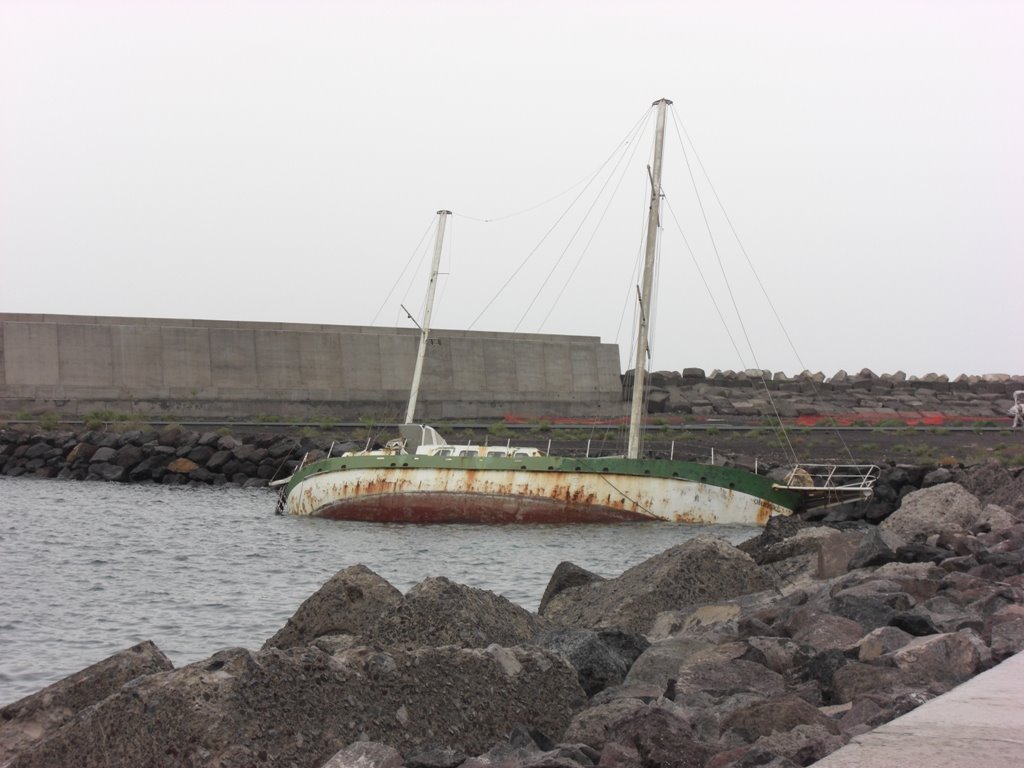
(225, 369)
(208, 370)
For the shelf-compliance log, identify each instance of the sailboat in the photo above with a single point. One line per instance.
(421, 478)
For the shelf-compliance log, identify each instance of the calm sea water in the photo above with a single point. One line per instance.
(88, 569)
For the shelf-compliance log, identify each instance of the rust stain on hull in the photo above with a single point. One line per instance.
(509, 496)
(764, 511)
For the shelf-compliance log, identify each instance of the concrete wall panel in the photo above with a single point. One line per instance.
(185, 357)
(609, 372)
(583, 361)
(277, 359)
(529, 359)
(558, 367)
(86, 355)
(31, 354)
(361, 366)
(320, 359)
(469, 366)
(500, 365)
(138, 364)
(398, 360)
(438, 379)
(233, 358)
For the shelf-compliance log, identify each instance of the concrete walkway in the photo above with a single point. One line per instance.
(978, 724)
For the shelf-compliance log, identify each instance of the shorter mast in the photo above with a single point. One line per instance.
(442, 217)
(642, 348)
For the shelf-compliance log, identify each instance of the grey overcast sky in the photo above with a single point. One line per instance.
(282, 161)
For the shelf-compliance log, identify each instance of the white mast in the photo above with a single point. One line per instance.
(442, 217)
(653, 221)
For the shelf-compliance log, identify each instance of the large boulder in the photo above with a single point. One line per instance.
(590, 725)
(349, 603)
(722, 679)
(36, 717)
(666, 659)
(300, 706)
(993, 483)
(598, 662)
(438, 611)
(803, 745)
(931, 511)
(858, 679)
(1006, 628)
(948, 659)
(565, 576)
(781, 714)
(660, 736)
(824, 631)
(702, 570)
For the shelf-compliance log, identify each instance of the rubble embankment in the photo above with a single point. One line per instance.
(933, 399)
(772, 653)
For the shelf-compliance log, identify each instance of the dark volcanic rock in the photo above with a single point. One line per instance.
(921, 553)
(913, 624)
(727, 678)
(597, 663)
(108, 472)
(438, 611)
(300, 706)
(781, 714)
(872, 552)
(36, 717)
(349, 603)
(992, 483)
(661, 738)
(699, 571)
(104, 454)
(566, 575)
(129, 456)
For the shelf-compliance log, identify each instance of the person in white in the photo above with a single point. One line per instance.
(1018, 408)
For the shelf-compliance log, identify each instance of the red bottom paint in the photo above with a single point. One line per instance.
(472, 508)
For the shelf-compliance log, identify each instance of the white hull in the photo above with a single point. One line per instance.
(457, 494)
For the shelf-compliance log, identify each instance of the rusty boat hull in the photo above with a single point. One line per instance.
(427, 489)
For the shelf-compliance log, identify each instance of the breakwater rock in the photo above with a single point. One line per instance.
(172, 456)
(775, 652)
(864, 396)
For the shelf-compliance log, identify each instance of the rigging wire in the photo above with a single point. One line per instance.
(625, 140)
(402, 273)
(593, 234)
(728, 285)
(572, 239)
(558, 221)
(778, 319)
(405, 296)
(707, 287)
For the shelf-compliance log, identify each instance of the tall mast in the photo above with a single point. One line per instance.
(653, 221)
(442, 217)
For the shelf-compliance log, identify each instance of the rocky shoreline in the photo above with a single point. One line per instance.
(171, 456)
(772, 653)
